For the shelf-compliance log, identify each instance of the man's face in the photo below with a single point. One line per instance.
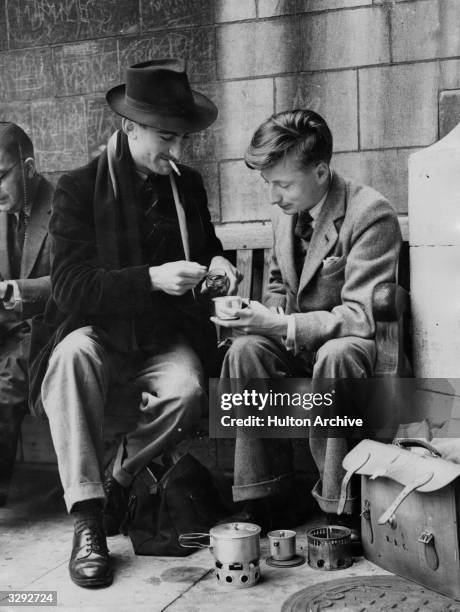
(294, 188)
(151, 148)
(11, 184)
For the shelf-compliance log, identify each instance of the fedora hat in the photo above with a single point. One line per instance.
(157, 93)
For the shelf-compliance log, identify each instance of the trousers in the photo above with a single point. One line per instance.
(262, 465)
(82, 369)
(14, 356)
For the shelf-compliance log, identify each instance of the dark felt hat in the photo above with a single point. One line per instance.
(157, 93)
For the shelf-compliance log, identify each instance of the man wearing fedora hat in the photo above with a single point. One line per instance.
(132, 243)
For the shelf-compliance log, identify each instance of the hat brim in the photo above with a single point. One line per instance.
(202, 115)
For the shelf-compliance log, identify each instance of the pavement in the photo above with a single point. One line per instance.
(35, 544)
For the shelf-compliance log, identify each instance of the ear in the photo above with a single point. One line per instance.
(29, 167)
(322, 172)
(129, 128)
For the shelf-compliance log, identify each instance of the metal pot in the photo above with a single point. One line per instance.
(236, 550)
(229, 542)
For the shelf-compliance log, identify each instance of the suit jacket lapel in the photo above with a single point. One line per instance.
(5, 273)
(284, 232)
(325, 234)
(37, 228)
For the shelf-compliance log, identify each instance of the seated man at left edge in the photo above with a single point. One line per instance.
(132, 241)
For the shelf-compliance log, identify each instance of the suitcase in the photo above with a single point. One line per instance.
(410, 504)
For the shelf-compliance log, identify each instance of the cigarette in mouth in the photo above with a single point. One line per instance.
(174, 167)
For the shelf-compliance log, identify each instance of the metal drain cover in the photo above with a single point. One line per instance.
(373, 593)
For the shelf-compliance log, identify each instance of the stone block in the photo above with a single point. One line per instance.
(59, 133)
(424, 30)
(449, 111)
(243, 105)
(399, 104)
(26, 75)
(385, 171)
(243, 196)
(19, 113)
(332, 94)
(3, 26)
(196, 46)
(234, 10)
(158, 14)
(101, 122)
(341, 39)
(34, 22)
(86, 67)
(271, 8)
(259, 48)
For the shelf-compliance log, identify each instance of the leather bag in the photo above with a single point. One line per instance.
(410, 508)
(184, 499)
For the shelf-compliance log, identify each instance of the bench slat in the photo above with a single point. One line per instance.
(244, 259)
(258, 234)
(267, 260)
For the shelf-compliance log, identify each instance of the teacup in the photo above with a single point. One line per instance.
(226, 306)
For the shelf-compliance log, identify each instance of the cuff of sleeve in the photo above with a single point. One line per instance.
(289, 343)
(14, 301)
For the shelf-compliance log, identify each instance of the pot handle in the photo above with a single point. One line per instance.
(191, 540)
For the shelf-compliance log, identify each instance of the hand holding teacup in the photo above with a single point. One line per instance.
(251, 317)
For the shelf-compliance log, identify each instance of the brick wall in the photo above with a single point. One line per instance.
(376, 69)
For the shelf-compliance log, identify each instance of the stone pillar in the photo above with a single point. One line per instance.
(434, 237)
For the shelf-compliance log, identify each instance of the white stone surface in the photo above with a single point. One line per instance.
(434, 236)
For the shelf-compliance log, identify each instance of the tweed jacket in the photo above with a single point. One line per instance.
(354, 246)
(34, 282)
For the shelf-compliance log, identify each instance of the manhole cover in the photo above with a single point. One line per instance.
(382, 593)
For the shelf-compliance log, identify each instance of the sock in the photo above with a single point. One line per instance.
(88, 511)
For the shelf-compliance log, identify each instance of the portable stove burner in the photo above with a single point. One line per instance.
(329, 548)
(238, 575)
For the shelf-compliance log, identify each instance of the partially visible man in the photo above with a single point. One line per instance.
(334, 241)
(132, 241)
(25, 206)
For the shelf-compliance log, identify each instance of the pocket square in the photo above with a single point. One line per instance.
(330, 261)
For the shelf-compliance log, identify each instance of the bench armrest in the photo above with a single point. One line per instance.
(389, 302)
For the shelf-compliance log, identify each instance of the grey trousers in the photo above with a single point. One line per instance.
(262, 465)
(81, 370)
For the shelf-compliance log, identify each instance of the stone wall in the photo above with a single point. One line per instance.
(376, 69)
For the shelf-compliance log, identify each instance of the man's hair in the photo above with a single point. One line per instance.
(301, 131)
(14, 141)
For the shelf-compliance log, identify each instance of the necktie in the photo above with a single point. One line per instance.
(303, 232)
(304, 228)
(18, 226)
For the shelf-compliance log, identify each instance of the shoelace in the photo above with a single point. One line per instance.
(95, 542)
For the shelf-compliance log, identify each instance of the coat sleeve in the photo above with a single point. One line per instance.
(79, 284)
(34, 295)
(372, 259)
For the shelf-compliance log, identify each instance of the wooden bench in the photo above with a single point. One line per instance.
(249, 246)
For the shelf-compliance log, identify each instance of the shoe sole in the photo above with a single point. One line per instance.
(93, 583)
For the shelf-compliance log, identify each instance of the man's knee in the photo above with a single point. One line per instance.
(76, 346)
(245, 350)
(345, 358)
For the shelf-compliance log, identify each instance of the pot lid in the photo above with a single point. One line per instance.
(234, 531)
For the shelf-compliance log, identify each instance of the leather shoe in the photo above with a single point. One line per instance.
(116, 505)
(90, 565)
